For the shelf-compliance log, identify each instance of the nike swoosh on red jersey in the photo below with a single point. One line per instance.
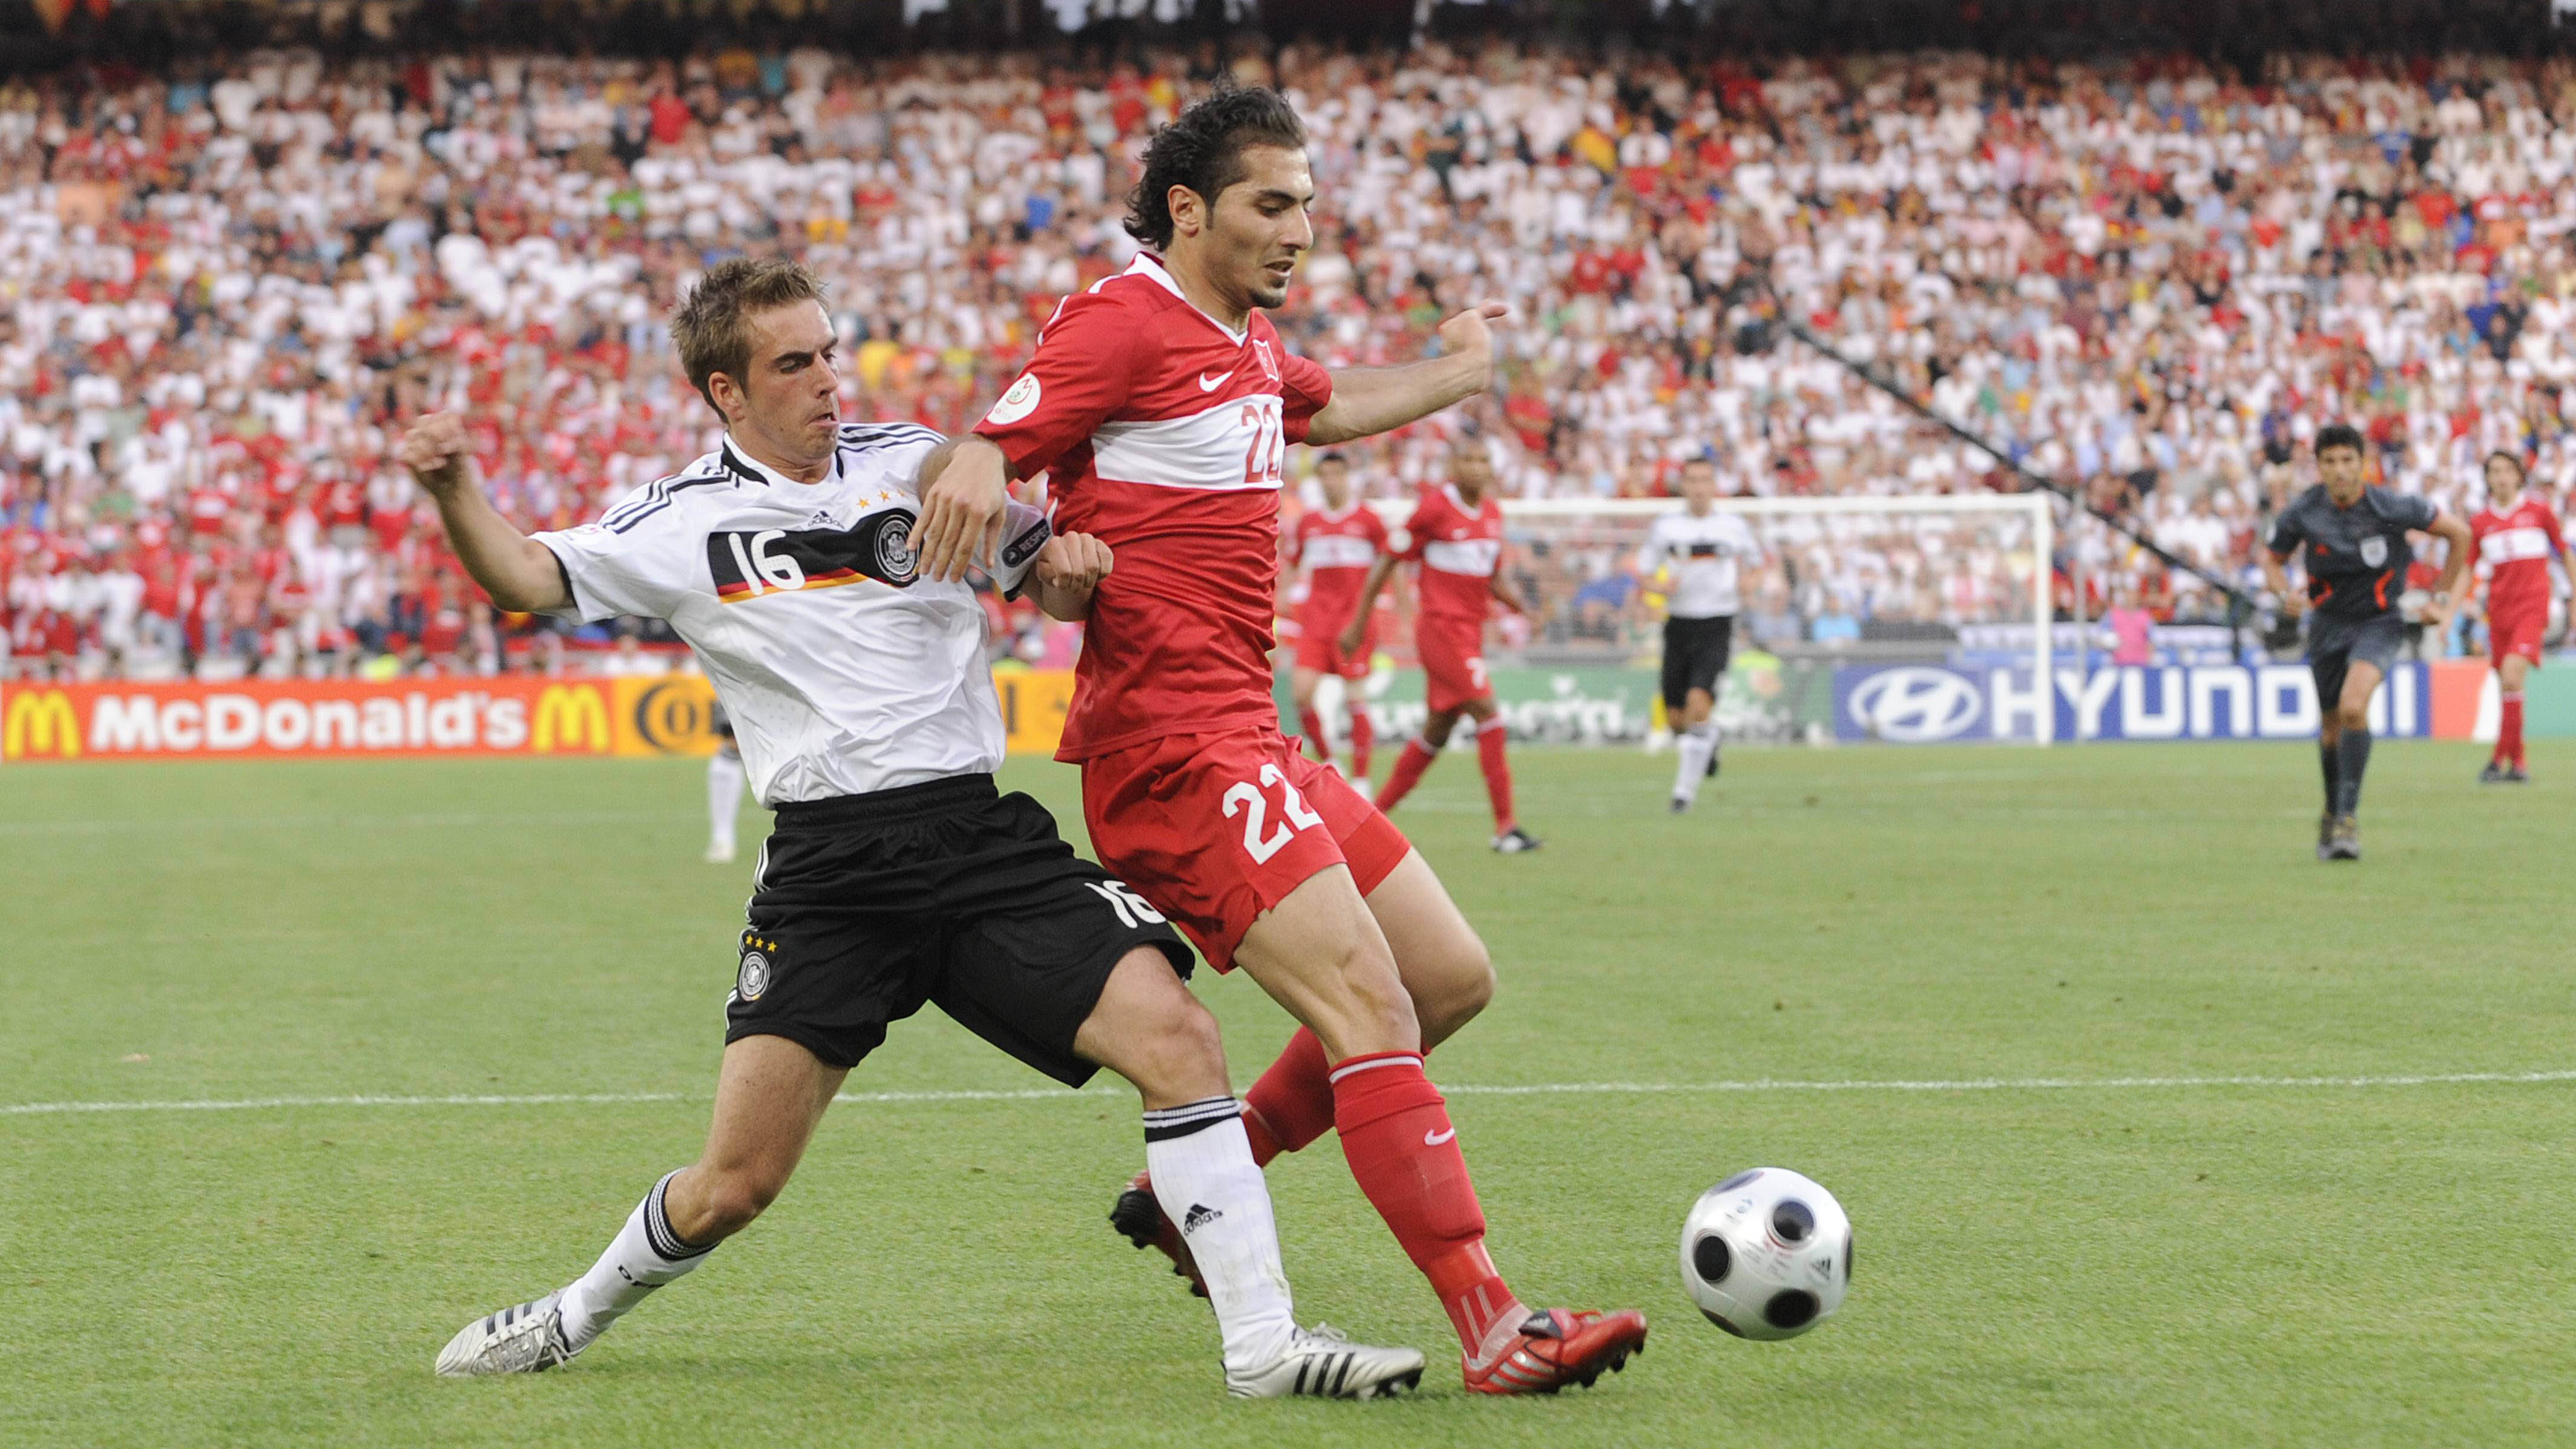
(1208, 384)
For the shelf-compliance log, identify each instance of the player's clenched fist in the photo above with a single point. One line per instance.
(1467, 332)
(962, 503)
(1073, 562)
(435, 450)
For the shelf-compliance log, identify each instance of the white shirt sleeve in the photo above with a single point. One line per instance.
(638, 571)
(1650, 554)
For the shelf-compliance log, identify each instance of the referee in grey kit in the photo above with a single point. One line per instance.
(1704, 550)
(2353, 537)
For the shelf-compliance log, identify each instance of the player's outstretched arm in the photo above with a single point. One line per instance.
(1068, 571)
(1370, 400)
(1370, 587)
(522, 575)
(2452, 591)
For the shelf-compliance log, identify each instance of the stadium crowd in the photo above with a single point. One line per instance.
(221, 288)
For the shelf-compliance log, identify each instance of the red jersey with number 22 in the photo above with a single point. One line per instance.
(1162, 432)
(1459, 548)
(2515, 545)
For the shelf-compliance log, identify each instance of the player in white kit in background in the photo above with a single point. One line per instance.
(1704, 551)
(897, 875)
(724, 788)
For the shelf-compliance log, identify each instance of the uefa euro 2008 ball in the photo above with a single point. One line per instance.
(1767, 1254)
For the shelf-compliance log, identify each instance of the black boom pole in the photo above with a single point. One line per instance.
(2240, 605)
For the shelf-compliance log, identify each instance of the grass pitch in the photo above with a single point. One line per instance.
(2140, 1263)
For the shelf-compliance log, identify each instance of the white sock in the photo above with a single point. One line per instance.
(1201, 1164)
(645, 1255)
(1697, 743)
(724, 795)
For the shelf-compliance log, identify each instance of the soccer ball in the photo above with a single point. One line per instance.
(1767, 1254)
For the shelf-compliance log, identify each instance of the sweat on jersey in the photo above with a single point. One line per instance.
(1706, 554)
(842, 669)
(1162, 432)
(2357, 556)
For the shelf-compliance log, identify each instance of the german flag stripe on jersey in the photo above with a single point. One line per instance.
(736, 591)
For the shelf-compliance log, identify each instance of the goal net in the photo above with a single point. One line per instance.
(1908, 619)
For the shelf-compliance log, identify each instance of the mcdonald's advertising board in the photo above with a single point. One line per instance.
(509, 715)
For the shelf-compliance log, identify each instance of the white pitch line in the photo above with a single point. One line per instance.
(1537, 1089)
(2019, 1084)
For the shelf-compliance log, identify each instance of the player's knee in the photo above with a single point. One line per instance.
(728, 1201)
(1376, 1011)
(1461, 989)
(2353, 714)
(1149, 1029)
(1185, 1054)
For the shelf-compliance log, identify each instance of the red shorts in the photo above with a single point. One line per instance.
(1319, 645)
(2517, 632)
(1453, 665)
(1214, 830)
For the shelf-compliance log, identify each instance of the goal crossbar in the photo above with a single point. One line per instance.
(2036, 506)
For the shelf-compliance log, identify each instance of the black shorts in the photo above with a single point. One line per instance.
(867, 906)
(1695, 654)
(2334, 643)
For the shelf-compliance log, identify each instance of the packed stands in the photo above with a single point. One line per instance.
(223, 285)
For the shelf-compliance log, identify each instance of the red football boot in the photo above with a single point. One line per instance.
(1556, 1347)
(1140, 1218)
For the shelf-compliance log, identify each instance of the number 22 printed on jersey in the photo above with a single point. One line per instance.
(1267, 451)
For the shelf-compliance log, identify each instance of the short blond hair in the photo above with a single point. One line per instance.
(712, 329)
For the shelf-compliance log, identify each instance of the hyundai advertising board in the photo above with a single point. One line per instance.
(1921, 704)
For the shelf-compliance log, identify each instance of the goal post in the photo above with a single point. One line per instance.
(1934, 566)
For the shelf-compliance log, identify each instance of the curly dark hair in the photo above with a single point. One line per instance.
(2341, 435)
(1202, 149)
(2520, 470)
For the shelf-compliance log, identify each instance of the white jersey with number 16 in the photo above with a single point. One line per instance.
(844, 671)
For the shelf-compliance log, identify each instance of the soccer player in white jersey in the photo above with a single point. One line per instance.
(724, 789)
(897, 875)
(1703, 551)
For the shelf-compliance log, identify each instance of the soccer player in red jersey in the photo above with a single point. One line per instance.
(1335, 544)
(1159, 405)
(2517, 536)
(1456, 535)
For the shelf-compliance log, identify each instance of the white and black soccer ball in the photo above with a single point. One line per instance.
(1767, 1254)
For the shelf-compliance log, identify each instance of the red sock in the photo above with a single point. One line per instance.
(1417, 757)
(1292, 1104)
(1404, 1154)
(1498, 774)
(1313, 724)
(1363, 735)
(2509, 732)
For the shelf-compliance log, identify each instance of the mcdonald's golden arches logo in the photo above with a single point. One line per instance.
(38, 722)
(571, 719)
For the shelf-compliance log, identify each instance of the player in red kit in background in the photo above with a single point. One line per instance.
(1456, 535)
(1335, 544)
(2517, 536)
(1159, 405)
